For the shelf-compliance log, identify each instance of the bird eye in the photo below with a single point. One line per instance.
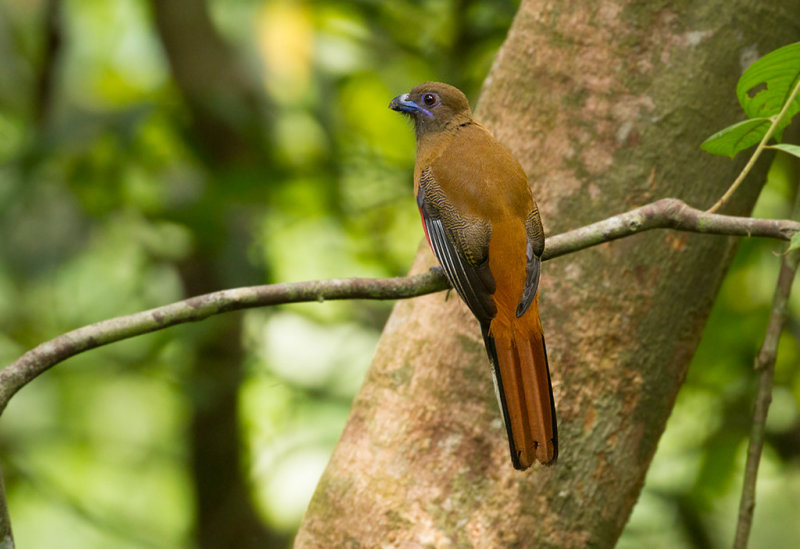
(429, 99)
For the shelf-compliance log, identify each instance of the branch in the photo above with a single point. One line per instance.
(37, 360)
(765, 365)
(6, 535)
(667, 213)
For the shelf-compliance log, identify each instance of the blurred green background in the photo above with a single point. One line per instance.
(155, 150)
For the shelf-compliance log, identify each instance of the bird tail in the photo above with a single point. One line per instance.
(524, 393)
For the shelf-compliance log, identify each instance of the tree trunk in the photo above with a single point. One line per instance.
(226, 104)
(605, 104)
(229, 130)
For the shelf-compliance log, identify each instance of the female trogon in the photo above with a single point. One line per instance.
(482, 222)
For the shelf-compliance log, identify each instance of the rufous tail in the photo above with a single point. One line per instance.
(525, 395)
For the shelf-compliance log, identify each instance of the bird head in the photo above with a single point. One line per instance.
(433, 106)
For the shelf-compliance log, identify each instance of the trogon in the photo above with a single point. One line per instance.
(483, 225)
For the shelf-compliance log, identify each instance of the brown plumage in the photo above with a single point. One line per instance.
(482, 222)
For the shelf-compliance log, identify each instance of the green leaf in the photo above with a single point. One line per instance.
(736, 138)
(794, 243)
(766, 85)
(787, 148)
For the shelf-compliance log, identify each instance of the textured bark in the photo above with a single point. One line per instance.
(605, 104)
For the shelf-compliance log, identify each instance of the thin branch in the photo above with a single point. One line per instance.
(37, 360)
(776, 120)
(765, 365)
(6, 534)
(666, 213)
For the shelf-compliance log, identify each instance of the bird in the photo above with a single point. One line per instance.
(483, 225)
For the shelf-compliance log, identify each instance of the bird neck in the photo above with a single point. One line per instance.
(431, 126)
(433, 139)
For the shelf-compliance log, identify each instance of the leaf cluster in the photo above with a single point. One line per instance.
(767, 92)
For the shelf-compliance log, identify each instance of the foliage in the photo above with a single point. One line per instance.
(768, 94)
(105, 195)
(703, 449)
(693, 486)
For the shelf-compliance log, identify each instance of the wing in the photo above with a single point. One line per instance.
(533, 256)
(461, 245)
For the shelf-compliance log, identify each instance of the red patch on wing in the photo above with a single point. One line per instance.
(425, 228)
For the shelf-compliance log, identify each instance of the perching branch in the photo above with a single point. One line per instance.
(37, 360)
(666, 213)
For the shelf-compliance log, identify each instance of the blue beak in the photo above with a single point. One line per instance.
(402, 103)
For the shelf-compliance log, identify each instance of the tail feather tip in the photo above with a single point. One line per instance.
(547, 454)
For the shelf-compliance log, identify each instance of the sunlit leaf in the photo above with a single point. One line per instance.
(788, 148)
(766, 85)
(736, 138)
